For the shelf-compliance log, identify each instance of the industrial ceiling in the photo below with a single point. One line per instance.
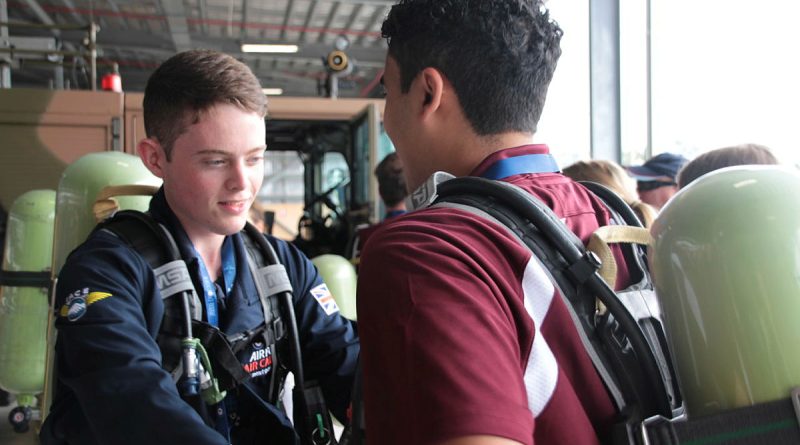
(139, 35)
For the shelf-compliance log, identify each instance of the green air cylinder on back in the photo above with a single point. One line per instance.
(726, 266)
(340, 276)
(24, 310)
(80, 184)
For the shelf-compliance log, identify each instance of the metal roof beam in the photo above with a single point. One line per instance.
(311, 8)
(329, 20)
(175, 13)
(378, 15)
(71, 8)
(245, 18)
(41, 15)
(353, 16)
(369, 2)
(203, 6)
(365, 54)
(286, 17)
(115, 8)
(5, 61)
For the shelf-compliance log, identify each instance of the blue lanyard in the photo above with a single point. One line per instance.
(228, 276)
(393, 213)
(535, 163)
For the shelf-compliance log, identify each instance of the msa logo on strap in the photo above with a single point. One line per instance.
(426, 193)
(172, 278)
(325, 299)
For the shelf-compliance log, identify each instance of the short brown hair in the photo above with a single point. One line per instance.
(190, 83)
(391, 183)
(745, 154)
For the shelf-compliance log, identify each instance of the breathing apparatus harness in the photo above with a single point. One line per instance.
(201, 358)
(620, 330)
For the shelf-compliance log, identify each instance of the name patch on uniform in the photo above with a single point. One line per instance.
(325, 299)
(260, 361)
(78, 302)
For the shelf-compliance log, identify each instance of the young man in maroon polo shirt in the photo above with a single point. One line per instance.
(465, 340)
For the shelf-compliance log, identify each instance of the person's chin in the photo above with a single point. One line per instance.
(233, 226)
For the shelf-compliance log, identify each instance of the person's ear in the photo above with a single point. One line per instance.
(152, 155)
(432, 83)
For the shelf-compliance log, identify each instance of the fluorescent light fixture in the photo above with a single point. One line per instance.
(272, 91)
(259, 48)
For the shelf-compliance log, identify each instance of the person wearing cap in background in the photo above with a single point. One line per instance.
(656, 178)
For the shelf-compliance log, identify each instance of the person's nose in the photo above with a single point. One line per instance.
(238, 176)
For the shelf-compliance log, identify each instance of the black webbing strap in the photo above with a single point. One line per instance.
(223, 354)
(143, 234)
(771, 423)
(355, 433)
(24, 279)
(269, 299)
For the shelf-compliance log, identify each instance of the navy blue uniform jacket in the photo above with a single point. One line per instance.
(110, 386)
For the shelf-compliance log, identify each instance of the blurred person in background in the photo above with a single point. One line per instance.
(613, 176)
(656, 178)
(745, 154)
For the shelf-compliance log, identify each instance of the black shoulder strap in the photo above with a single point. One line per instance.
(140, 231)
(614, 202)
(271, 279)
(631, 372)
(311, 415)
(156, 245)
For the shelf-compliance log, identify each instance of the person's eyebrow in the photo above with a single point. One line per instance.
(214, 151)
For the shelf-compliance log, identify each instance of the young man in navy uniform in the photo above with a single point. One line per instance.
(204, 117)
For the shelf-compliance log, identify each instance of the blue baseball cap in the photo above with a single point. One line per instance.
(659, 166)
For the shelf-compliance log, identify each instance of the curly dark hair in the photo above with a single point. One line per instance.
(391, 183)
(191, 82)
(499, 55)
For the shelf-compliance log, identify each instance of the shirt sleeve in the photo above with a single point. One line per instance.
(108, 358)
(441, 354)
(329, 341)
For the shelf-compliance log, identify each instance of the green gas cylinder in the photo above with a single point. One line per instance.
(24, 308)
(82, 183)
(726, 267)
(340, 276)
(97, 181)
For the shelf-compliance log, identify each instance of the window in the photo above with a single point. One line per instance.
(724, 73)
(564, 125)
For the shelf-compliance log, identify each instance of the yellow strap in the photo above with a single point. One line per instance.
(105, 205)
(599, 244)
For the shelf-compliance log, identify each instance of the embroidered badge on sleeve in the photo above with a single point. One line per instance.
(79, 301)
(325, 299)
